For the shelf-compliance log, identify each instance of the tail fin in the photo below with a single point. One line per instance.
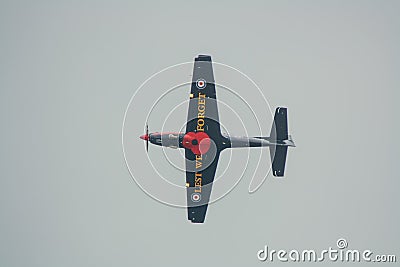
(279, 133)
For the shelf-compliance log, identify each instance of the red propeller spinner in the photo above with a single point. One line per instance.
(146, 137)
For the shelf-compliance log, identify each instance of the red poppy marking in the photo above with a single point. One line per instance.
(198, 142)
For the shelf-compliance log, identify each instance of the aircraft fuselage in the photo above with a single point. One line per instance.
(179, 140)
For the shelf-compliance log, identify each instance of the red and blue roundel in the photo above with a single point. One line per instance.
(201, 84)
(196, 197)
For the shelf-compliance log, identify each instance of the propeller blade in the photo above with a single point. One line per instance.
(147, 134)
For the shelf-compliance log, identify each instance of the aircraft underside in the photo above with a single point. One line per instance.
(203, 140)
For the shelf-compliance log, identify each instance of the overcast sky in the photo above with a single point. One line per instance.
(69, 68)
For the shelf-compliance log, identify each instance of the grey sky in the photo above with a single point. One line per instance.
(68, 70)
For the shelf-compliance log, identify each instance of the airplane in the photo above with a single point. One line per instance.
(203, 141)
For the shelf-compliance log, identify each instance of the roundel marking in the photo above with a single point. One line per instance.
(201, 83)
(196, 197)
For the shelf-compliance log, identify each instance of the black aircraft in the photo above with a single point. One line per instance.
(203, 140)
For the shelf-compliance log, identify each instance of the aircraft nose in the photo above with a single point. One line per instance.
(144, 137)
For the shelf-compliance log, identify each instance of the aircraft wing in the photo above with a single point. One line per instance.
(202, 140)
(199, 185)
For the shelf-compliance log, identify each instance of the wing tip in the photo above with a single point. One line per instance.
(203, 58)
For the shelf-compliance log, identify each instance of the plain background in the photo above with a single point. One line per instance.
(69, 68)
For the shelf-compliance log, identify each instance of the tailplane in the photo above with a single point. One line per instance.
(279, 135)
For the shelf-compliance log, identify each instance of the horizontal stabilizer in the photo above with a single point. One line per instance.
(279, 130)
(279, 133)
(278, 157)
